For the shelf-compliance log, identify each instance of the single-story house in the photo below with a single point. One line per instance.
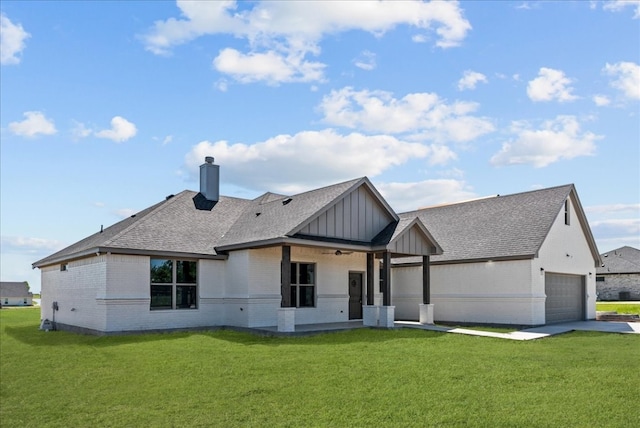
(334, 254)
(15, 294)
(618, 278)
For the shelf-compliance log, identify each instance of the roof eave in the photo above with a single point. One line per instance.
(97, 251)
(477, 260)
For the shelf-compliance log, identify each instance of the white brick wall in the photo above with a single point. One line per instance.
(566, 251)
(487, 292)
(112, 292)
(75, 290)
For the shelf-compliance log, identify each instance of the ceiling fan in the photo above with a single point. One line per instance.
(337, 252)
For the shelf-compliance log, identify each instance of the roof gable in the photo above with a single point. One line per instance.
(511, 226)
(271, 219)
(360, 214)
(411, 237)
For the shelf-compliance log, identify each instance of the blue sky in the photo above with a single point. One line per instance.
(108, 107)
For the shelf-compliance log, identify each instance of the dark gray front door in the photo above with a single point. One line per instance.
(355, 296)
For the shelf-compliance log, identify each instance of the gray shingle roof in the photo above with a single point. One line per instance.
(492, 228)
(621, 260)
(173, 225)
(273, 216)
(14, 289)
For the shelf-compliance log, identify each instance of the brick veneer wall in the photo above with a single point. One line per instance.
(613, 284)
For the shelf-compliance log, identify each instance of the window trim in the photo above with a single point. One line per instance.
(174, 284)
(295, 284)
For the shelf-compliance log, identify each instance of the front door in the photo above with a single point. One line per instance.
(355, 295)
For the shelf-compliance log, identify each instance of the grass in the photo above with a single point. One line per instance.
(356, 378)
(621, 308)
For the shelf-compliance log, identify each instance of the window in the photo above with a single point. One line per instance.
(63, 267)
(567, 213)
(303, 285)
(599, 278)
(25, 301)
(174, 284)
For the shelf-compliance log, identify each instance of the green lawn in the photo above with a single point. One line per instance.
(621, 308)
(357, 378)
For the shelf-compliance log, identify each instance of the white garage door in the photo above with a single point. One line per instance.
(565, 298)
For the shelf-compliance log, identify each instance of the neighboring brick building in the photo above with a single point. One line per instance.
(619, 276)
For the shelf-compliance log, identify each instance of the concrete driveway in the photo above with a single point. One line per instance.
(536, 332)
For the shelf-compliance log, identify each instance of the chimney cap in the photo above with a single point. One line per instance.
(208, 159)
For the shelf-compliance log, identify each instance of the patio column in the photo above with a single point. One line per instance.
(370, 311)
(426, 281)
(386, 278)
(387, 312)
(370, 277)
(286, 312)
(285, 275)
(426, 308)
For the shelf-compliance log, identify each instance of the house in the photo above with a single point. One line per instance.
(198, 259)
(334, 254)
(523, 259)
(618, 278)
(15, 294)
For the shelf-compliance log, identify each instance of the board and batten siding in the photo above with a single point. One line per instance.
(358, 217)
(412, 241)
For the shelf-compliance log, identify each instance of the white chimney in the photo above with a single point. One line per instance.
(210, 179)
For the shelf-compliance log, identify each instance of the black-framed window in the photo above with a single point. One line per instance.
(567, 213)
(599, 278)
(303, 285)
(174, 284)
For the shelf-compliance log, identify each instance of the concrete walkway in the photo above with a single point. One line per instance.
(536, 332)
(527, 334)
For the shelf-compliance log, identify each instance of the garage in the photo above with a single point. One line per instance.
(565, 298)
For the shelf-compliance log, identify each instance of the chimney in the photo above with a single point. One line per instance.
(210, 179)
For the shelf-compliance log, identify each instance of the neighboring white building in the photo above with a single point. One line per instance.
(618, 278)
(203, 260)
(15, 294)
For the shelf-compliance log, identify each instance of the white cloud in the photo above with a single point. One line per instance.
(619, 5)
(124, 212)
(424, 114)
(626, 78)
(167, 140)
(611, 228)
(309, 159)
(470, 79)
(282, 34)
(79, 130)
(412, 196)
(601, 100)
(614, 208)
(35, 124)
(550, 85)
(29, 245)
(121, 130)
(12, 41)
(270, 66)
(366, 61)
(556, 139)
